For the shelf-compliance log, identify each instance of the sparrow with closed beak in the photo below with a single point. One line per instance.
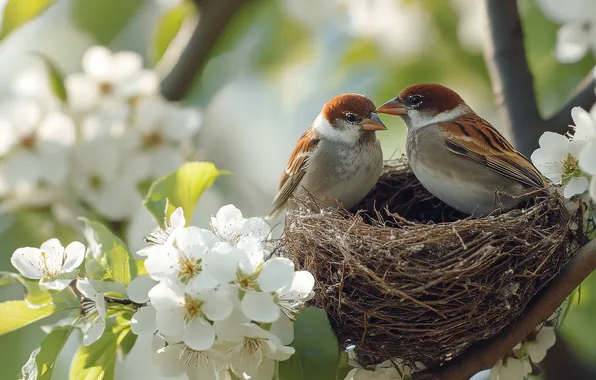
(458, 156)
(338, 158)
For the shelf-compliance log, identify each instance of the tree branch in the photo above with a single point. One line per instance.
(583, 96)
(512, 81)
(214, 17)
(484, 355)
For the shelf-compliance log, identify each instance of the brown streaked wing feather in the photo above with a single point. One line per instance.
(295, 168)
(477, 140)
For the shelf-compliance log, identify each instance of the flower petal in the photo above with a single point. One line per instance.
(572, 43)
(277, 273)
(217, 308)
(167, 296)
(177, 219)
(75, 253)
(170, 321)
(168, 361)
(143, 321)
(260, 307)
(301, 287)
(584, 124)
(199, 334)
(100, 304)
(139, 287)
(93, 331)
(593, 188)
(27, 261)
(587, 158)
(575, 186)
(86, 289)
(97, 61)
(555, 144)
(54, 252)
(162, 265)
(283, 329)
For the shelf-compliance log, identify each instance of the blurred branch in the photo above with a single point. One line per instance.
(512, 81)
(485, 354)
(583, 96)
(214, 17)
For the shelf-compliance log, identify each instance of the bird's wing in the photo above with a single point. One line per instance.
(295, 169)
(477, 140)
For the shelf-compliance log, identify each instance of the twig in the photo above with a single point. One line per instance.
(512, 81)
(484, 355)
(583, 96)
(214, 17)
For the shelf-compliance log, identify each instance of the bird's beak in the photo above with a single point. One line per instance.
(373, 123)
(393, 107)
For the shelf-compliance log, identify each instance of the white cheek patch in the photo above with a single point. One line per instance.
(349, 134)
(419, 119)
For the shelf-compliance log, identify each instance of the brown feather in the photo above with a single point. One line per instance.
(295, 168)
(476, 139)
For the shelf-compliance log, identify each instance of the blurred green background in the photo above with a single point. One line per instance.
(276, 64)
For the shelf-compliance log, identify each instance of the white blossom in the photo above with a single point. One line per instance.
(279, 288)
(183, 260)
(186, 313)
(35, 142)
(108, 75)
(51, 263)
(253, 349)
(106, 176)
(560, 158)
(93, 321)
(230, 226)
(175, 359)
(163, 127)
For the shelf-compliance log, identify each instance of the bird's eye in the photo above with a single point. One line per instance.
(415, 101)
(351, 118)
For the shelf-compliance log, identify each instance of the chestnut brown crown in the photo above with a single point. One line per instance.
(348, 107)
(430, 97)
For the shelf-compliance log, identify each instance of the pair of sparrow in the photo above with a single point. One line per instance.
(456, 155)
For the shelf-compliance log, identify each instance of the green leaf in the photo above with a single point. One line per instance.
(18, 12)
(169, 26)
(104, 19)
(7, 278)
(56, 76)
(97, 361)
(117, 259)
(182, 188)
(291, 369)
(17, 314)
(317, 350)
(42, 360)
(35, 294)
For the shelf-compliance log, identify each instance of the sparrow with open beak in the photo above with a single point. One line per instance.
(338, 158)
(458, 156)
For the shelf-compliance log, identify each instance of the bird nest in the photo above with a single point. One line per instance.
(407, 276)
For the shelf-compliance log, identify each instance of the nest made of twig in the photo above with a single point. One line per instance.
(410, 277)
